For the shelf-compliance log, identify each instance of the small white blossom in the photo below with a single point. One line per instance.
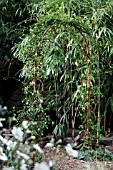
(25, 124)
(22, 162)
(28, 131)
(1, 125)
(14, 118)
(33, 137)
(70, 151)
(41, 166)
(37, 147)
(84, 83)
(3, 157)
(59, 141)
(11, 145)
(49, 145)
(76, 63)
(23, 167)
(41, 101)
(23, 155)
(2, 119)
(48, 71)
(5, 107)
(3, 140)
(26, 142)
(51, 163)
(17, 133)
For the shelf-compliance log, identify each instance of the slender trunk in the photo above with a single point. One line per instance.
(72, 107)
(88, 88)
(56, 102)
(88, 109)
(34, 88)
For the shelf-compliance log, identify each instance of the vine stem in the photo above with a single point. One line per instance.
(34, 87)
(98, 119)
(88, 86)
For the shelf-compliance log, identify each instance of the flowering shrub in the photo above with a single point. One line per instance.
(19, 150)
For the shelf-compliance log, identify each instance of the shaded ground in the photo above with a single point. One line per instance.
(64, 162)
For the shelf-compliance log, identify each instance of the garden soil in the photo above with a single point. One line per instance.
(64, 162)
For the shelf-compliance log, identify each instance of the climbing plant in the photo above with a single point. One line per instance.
(65, 56)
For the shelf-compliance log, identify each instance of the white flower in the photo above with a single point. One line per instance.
(1, 125)
(26, 142)
(51, 163)
(23, 167)
(3, 140)
(2, 119)
(32, 137)
(59, 141)
(17, 133)
(22, 162)
(23, 155)
(84, 83)
(28, 131)
(37, 147)
(49, 145)
(41, 101)
(25, 124)
(14, 118)
(41, 166)
(48, 71)
(76, 63)
(5, 107)
(11, 145)
(70, 151)
(3, 157)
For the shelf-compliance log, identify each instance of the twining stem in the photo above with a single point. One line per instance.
(88, 110)
(56, 101)
(72, 108)
(88, 85)
(98, 119)
(73, 114)
(34, 86)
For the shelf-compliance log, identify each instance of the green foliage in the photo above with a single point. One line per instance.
(65, 56)
(89, 154)
(14, 22)
(12, 16)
